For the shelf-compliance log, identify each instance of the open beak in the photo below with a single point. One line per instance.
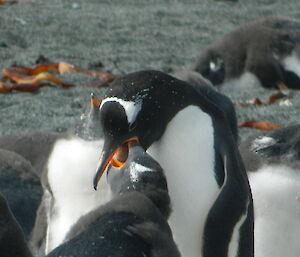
(114, 156)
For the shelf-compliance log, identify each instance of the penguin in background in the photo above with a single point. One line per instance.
(265, 52)
(190, 138)
(12, 239)
(66, 182)
(134, 222)
(21, 187)
(272, 160)
(34, 147)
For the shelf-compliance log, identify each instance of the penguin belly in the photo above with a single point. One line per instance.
(276, 191)
(71, 168)
(244, 82)
(186, 153)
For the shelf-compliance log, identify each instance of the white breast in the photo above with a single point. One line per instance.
(292, 63)
(275, 192)
(244, 82)
(71, 168)
(187, 156)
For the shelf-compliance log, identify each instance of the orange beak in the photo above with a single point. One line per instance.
(115, 156)
(95, 101)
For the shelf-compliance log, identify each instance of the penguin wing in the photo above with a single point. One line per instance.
(38, 234)
(229, 226)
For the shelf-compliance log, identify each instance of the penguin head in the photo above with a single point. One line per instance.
(137, 108)
(279, 146)
(89, 126)
(140, 173)
(211, 66)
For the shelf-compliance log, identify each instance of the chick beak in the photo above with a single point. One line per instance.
(94, 102)
(115, 156)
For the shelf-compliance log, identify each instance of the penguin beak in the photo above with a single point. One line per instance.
(115, 156)
(95, 101)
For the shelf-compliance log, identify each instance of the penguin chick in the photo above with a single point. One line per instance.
(264, 52)
(67, 174)
(134, 222)
(272, 160)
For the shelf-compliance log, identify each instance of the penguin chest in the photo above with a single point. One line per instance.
(276, 191)
(71, 168)
(186, 153)
(292, 63)
(245, 81)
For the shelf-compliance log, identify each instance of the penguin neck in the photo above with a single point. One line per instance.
(71, 168)
(186, 153)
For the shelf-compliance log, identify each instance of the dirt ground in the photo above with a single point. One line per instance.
(125, 36)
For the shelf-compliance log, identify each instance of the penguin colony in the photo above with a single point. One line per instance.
(162, 153)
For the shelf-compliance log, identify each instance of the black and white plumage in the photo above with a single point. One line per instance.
(134, 222)
(272, 160)
(264, 52)
(190, 137)
(12, 239)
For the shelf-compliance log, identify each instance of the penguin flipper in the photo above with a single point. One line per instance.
(38, 234)
(229, 225)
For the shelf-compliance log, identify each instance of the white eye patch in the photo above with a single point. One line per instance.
(131, 108)
(212, 66)
(262, 142)
(215, 66)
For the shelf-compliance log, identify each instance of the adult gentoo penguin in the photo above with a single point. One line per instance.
(272, 161)
(67, 176)
(190, 138)
(264, 52)
(12, 240)
(134, 222)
